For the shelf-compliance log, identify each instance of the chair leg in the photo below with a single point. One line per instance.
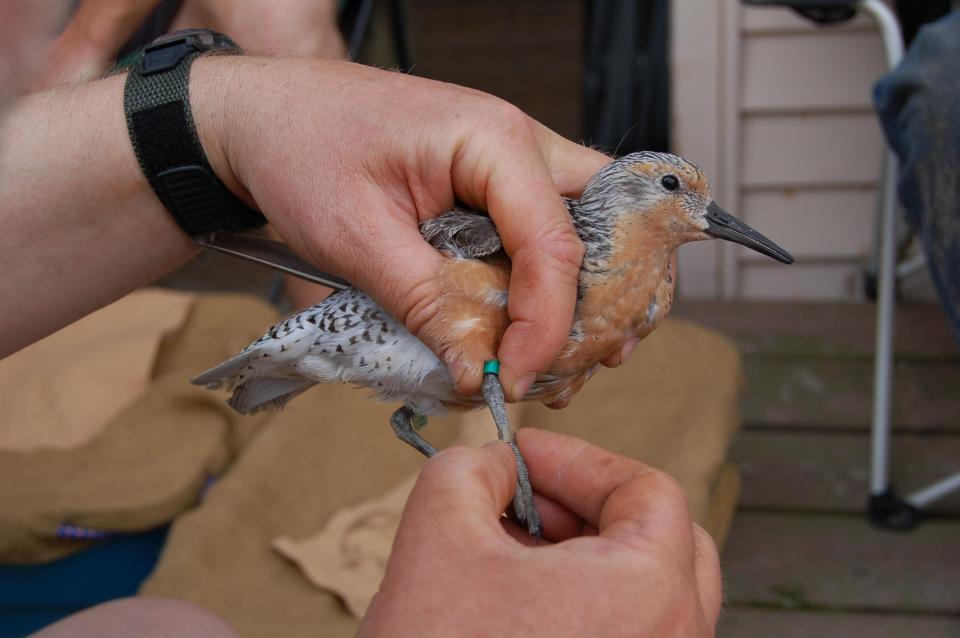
(885, 509)
(936, 491)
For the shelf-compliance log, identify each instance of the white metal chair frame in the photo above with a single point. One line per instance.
(886, 508)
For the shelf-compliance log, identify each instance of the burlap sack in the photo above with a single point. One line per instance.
(673, 405)
(150, 460)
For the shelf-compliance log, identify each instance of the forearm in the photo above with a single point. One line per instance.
(344, 160)
(80, 225)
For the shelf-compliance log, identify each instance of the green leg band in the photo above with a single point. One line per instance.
(491, 367)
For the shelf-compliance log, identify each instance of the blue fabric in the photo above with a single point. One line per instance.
(34, 596)
(919, 108)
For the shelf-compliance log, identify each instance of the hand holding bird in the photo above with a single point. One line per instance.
(633, 214)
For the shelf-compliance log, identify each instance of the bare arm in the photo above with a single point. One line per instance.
(81, 227)
(344, 160)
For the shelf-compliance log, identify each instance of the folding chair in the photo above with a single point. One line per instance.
(886, 508)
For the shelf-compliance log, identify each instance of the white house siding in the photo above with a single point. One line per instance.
(778, 112)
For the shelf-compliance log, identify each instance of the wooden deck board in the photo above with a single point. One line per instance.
(801, 558)
(822, 330)
(841, 562)
(831, 472)
(746, 622)
(837, 392)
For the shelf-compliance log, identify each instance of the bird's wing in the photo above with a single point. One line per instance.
(346, 338)
(464, 233)
(269, 356)
(260, 394)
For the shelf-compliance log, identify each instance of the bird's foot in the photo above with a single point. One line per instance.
(525, 510)
(405, 424)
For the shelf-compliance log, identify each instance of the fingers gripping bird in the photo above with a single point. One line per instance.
(631, 217)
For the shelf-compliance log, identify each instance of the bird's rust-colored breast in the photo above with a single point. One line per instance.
(625, 299)
(473, 310)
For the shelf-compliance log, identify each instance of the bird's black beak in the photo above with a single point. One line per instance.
(723, 225)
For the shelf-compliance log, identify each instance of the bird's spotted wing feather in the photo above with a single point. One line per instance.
(265, 373)
(463, 233)
(346, 338)
(283, 343)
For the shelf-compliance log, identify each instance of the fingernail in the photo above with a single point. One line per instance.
(627, 349)
(521, 385)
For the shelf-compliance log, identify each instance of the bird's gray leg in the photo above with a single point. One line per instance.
(403, 426)
(523, 498)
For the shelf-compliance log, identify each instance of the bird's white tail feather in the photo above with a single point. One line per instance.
(260, 394)
(225, 375)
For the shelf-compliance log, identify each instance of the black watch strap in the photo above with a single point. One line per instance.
(160, 122)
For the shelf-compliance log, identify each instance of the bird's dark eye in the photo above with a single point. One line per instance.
(670, 182)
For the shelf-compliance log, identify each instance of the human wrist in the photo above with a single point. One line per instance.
(214, 93)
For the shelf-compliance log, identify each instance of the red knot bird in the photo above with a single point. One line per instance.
(631, 217)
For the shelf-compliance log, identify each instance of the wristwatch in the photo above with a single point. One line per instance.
(156, 102)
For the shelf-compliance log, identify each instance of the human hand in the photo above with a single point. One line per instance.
(85, 48)
(622, 556)
(346, 161)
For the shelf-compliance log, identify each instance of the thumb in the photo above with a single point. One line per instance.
(464, 489)
(709, 580)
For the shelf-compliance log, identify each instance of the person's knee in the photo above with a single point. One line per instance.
(926, 78)
(143, 618)
(928, 73)
(938, 40)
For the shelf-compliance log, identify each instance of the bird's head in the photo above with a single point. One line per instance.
(671, 196)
